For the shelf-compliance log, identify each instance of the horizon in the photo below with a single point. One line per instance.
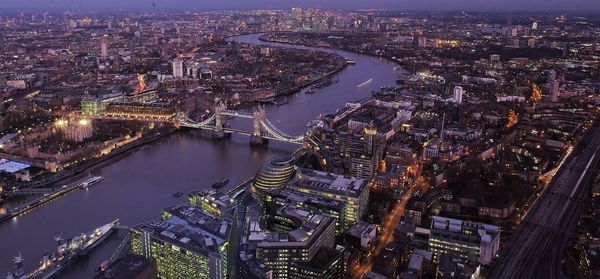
(493, 6)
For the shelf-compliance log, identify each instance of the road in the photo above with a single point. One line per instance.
(536, 249)
(387, 233)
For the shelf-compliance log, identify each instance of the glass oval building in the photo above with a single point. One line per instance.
(274, 174)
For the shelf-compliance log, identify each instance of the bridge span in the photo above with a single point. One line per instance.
(262, 131)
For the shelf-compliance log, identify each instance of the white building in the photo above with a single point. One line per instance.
(75, 130)
(458, 94)
(178, 68)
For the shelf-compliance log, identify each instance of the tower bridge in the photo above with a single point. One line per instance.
(262, 128)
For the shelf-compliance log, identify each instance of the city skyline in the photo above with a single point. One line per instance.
(583, 6)
(295, 143)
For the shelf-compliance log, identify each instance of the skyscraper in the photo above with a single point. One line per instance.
(104, 47)
(555, 90)
(458, 94)
(178, 68)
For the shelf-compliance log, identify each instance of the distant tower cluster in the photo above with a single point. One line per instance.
(178, 68)
(458, 94)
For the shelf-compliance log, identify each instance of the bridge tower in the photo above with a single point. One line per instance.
(220, 107)
(258, 117)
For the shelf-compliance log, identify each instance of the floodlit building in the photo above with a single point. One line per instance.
(76, 130)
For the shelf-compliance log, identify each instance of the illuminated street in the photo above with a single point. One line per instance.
(387, 233)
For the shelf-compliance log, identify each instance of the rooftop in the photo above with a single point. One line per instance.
(465, 228)
(191, 228)
(310, 227)
(330, 183)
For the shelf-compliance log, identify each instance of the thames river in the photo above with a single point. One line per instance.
(137, 186)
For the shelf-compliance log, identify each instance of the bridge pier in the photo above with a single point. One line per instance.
(258, 117)
(220, 120)
(258, 140)
(216, 126)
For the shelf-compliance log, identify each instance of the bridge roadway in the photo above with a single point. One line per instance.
(536, 249)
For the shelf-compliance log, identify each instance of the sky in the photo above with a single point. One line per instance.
(437, 5)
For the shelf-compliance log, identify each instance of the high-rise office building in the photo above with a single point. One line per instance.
(188, 243)
(458, 94)
(178, 68)
(104, 47)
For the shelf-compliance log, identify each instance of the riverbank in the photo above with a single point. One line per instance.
(90, 165)
(137, 185)
(390, 59)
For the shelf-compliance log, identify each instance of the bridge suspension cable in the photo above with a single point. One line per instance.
(274, 131)
(186, 121)
(266, 125)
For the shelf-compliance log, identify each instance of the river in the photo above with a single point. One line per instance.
(137, 186)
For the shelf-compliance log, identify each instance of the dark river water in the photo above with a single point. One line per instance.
(137, 186)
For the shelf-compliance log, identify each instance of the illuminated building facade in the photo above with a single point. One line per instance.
(153, 111)
(470, 240)
(274, 174)
(188, 243)
(76, 130)
(317, 204)
(98, 105)
(291, 239)
(143, 97)
(352, 191)
(353, 140)
(328, 263)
